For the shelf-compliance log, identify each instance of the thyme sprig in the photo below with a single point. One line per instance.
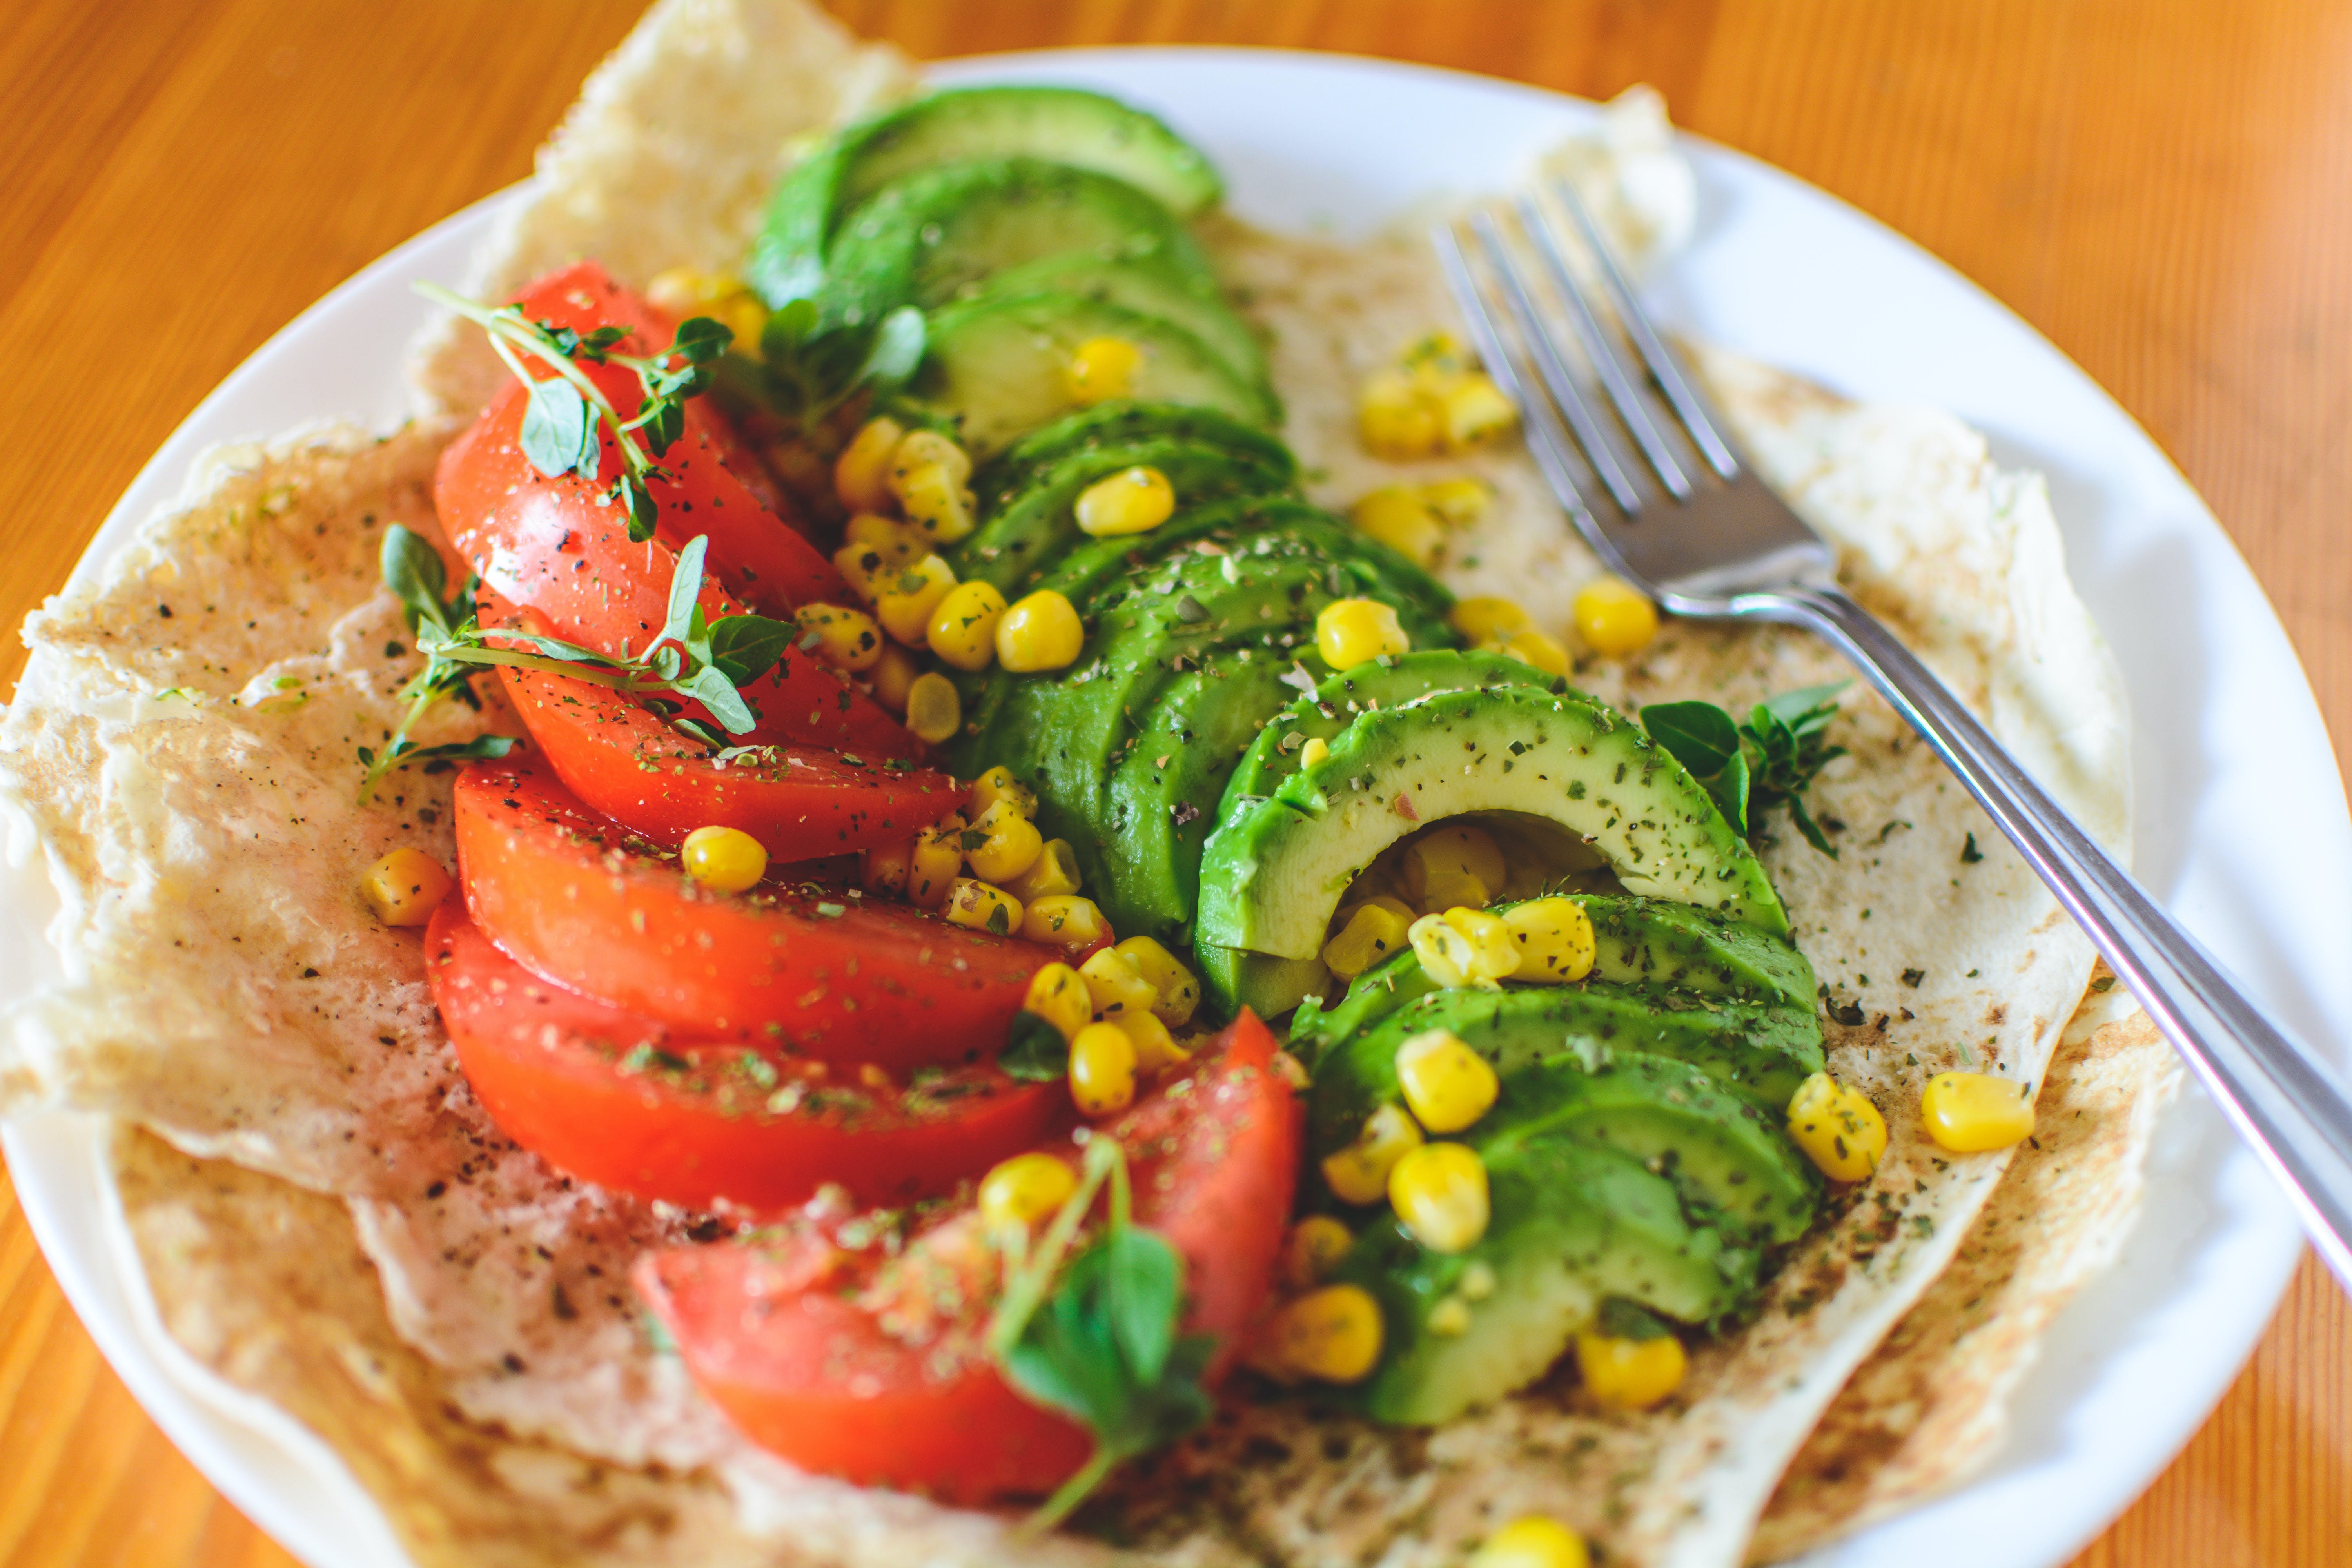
(1750, 768)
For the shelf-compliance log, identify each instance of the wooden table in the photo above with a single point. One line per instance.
(2159, 190)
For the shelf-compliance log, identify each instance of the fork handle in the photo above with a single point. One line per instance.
(2280, 1096)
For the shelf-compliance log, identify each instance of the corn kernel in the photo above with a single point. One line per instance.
(1314, 752)
(1102, 1069)
(1041, 631)
(1478, 1282)
(865, 570)
(405, 886)
(1399, 517)
(900, 543)
(724, 860)
(1020, 1191)
(1447, 955)
(929, 448)
(1457, 502)
(932, 862)
(845, 638)
(689, 290)
(998, 784)
(1374, 930)
(1396, 420)
(1007, 844)
(885, 869)
(1532, 647)
(1630, 1374)
(1133, 501)
(935, 502)
(1178, 992)
(1447, 1085)
(964, 627)
(1059, 996)
(982, 907)
(1534, 1541)
(1969, 1112)
(1332, 1335)
(861, 473)
(1117, 984)
(934, 711)
(1360, 1172)
(1438, 1192)
(1056, 873)
(1486, 618)
(893, 678)
(1351, 631)
(1475, 412)
(1312, 1249)
(1156, 1050)
(1454, 850)
(1554, 937)
(1837, 1127)
(1613, 617)
(1064, 919)
(904, 603)
(1450, 1318)
(1497, 949)
(1102, 369)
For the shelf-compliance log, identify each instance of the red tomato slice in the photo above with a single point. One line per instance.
(631, 1104)
(580, 902)
(874, 1369)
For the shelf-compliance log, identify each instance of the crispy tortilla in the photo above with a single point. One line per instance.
(226, 990)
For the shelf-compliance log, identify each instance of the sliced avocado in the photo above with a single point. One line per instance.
(924, 239)
(997, 367)
(1120, 422)
(1273, 872)
(1148, 284)
(1065, 125)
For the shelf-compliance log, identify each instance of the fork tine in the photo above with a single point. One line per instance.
(1597, 452)
(1603, 355)
(1663, 367)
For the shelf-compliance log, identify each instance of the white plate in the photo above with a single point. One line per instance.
(2242, 828)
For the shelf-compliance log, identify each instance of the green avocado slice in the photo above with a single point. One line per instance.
(1120, 422)
(1147, 284)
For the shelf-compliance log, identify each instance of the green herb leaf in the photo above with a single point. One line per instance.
(898, 349)
(1623, 1319)
(559, 431)
(748, 646)
(1748, 769)
(1035, 1051)
(1699, 735)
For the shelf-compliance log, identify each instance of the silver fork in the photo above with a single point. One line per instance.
(1675, 510)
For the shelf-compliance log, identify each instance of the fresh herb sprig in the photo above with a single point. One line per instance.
(1767, 762)
(809, 366)
(1094, 1334)
(691, 659)
(564, 426)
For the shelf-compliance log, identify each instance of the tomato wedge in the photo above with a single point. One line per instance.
(822, 971)
(850, 1363)
(629, 1104)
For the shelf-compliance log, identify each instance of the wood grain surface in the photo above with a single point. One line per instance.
(2158, 188)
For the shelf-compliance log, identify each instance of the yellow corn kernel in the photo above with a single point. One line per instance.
(1438, 1192)
(1102, 1069)
(1453, 851)
(934, 711)
(1118, 985)
(1064, 919)
(983, 906)
(1314, 752)
(1837, 1127)
(1102, 369)
(845, 638)
(1532, 647)
(1332, 1335)
(1156, 1050)
(1398, 517)
(1478, 1282)
(904, 603)
(1457, 502)
(1968, 1112)
(865, 571)
(1498, 951)
(1312, 1249)
(861, 475)
(929, 449)
(1613, 617)
(932, 862)
(935, 502)
(1008, 842)
(887, 868)
(1178, 992)
(1554, 937)
(1396, 420)
(1041, 631)
(1450, 1317)
(964, 627)
(1360, 1172)
(998, 784)
(1373, 932)
(405, 885)
(1059, 996)
(724, 860)
(1630, 1374)
(1475, 412)
(1056, 873)
(1350, 631)
(900, 543)
(1486, 618)
(1447, 1085)
(1447, 955)
(1018, 1193)
(1133, 501)
(893, 678)
(1534, 1541)
(689, 290)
